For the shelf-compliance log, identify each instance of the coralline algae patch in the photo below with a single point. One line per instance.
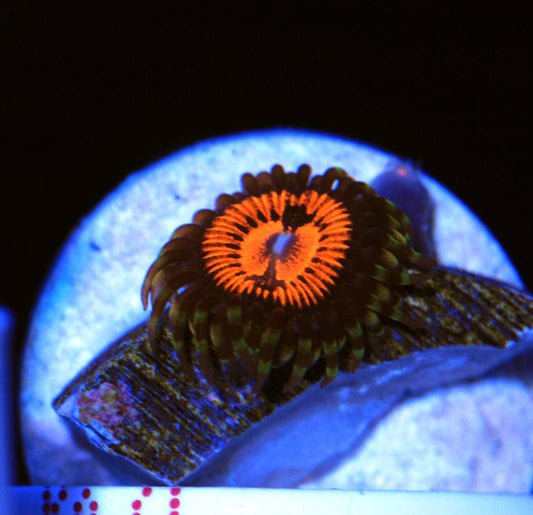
(107, 409)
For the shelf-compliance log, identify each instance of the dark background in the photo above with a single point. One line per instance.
(92, 97)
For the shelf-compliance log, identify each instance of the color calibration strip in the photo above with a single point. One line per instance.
(34, 500)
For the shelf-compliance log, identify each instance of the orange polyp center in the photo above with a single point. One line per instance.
(279, 246)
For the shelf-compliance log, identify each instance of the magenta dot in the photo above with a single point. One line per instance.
(174, 513)
(46, 508)
(77, 507)
(147, 491)
(174, 503)
(55, 508)
(93, 506)
(47, 495)
(175, 491)
(62, 495)
(86, 493)
(136, 505)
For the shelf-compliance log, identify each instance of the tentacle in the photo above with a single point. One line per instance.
(287, 345)
(250, 185)
(218, 333)
(178, 317)
(291, 182)
(266, 183)
(303, 175)
(192, 231)
(279, 178)
(175, 258)
(165, 285)
(304, 354)
(331, 175)
(204, 217)
(235, 326)
(223, 201)
(269, 342)
(356, 191)
(199, 327)
(186, 244)
(332, 363)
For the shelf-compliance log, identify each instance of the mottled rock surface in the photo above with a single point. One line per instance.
(424, 422)
(92, 294)
(474, 437)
